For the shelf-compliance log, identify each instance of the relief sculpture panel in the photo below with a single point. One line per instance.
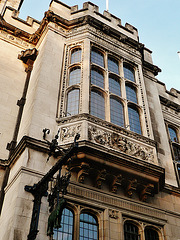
(120, 143)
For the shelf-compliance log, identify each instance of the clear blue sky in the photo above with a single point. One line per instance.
(158, 23)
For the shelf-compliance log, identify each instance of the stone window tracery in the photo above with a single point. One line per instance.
(97, 104)
(151, 234)
(118, 88)
(75, 76)
(76, 55)
(72, 102)
(88, 227)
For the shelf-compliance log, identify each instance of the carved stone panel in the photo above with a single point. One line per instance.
(120, 143)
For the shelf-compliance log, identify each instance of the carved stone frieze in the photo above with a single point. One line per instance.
(120, 143)
(68, 133)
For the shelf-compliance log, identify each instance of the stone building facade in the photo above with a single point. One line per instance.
(82, 72)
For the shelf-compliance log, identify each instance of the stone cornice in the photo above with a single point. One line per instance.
(152, 68)
(169, 103)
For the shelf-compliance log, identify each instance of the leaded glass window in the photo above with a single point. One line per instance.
(97, 104)
(131, 93)
(73, 102)
(131, 231)
(97, 78)
(114, 86)
(151, 234)
(66, 230)
(134, 120)
(113, 65)
(97, 57)
(76, 55)
(74, 76)
(117, 113)
(129, 73)
(173, 135)
(88, 227)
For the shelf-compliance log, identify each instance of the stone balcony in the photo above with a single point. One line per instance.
(113, 156)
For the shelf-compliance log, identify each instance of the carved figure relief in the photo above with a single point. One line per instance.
(69, 132)
(120, 143)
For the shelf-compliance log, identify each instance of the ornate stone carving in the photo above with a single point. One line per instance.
(83, 172)
(131, 187)
(120, 143)
(117, 181)
(146, 191)
(113, 214)
(100, 178)
(68, 133)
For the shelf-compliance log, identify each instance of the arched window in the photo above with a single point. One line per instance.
(66, 230)
(113, 65)
(97, 104)
(134, 120)
(73, 102)
(97, 78)
(131, 93)
(131, 231)
(88, 227)
(74, 76)
(172, 134)
(97, 57)
(151, 234)
(76, 55)
(114, 86)
(117, 114)
(129, 73)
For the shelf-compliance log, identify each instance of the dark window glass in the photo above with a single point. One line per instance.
(73, 102)
(97, 78)
(66, 230)
(151, 234)
(134, 120)
(131, 93)
(76, 55)
(97, 57)
(113, 65)
(130, 231)
(114, 86)
(88, 227)
(117, 115)
(74, 76)
(97, 104)
(129, 73)
(173, 135)
(176, 149)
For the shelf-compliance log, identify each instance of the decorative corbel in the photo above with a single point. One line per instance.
(147, 190)
(131, 187)
(84, 171)
(117, 181)
(100, 178)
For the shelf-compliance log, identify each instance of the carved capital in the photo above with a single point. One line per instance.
(113, 214)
